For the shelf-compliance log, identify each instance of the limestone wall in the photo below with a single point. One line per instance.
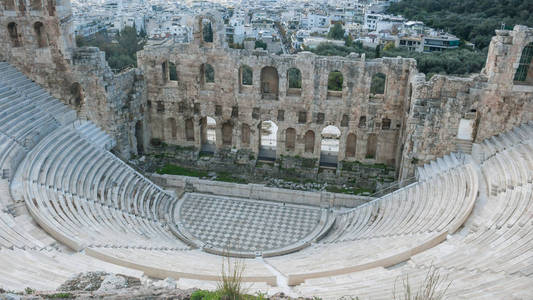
(413, 121)
(39, 41)
(493, 100)
(311, 108)
(259, 192)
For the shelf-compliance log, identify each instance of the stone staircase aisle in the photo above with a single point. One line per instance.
(464, 146)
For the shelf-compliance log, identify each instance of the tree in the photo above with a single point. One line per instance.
(335, 80)
(471, 20)
(389, 46)
(295, 78)
(260, 44)
(378, 51)
(336, 32)
(121, 52)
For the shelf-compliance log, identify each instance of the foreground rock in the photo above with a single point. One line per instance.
(102, 285)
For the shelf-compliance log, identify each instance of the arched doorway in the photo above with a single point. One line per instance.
(329, 146)
(268, 140)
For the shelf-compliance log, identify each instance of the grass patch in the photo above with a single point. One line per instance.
(177, 170)
(227, 177)
(218, 295)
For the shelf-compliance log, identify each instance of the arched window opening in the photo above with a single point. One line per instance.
(246, 75)
(245, 134)
(51, 5)
(309, 141)
(189, 130)
(268, 140)
(351, 143)
(377, 85)
(524, 72)
(42, 39)
(227, 134)
(208, 73)
(207, 31)
(269, 83)
(13, 34)
(335, 82)
(172, 126)
(371, 146)
(36, 5)
(172, 72)
(329, 146)
(294, 78)
(385, 123)
(9, 4)
(290, 139)
(76, 98)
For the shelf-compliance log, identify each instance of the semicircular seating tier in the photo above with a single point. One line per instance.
(390, 229)
(490, 257)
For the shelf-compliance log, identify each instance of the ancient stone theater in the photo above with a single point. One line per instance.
(70, 201)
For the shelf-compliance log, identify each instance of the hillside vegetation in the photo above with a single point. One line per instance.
(471, 20)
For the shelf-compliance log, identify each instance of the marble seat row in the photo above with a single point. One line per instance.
(388, 230)
(381, 283)
(430, 206)
(489, 147)
(92, 132)
(115, 208)
(439, 165)
(491, 257)
(47, 269)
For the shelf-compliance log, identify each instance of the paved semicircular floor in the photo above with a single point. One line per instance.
(245, 226)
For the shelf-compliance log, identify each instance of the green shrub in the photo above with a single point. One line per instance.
(177, 170)
(204, 295)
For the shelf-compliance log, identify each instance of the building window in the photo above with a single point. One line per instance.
(208, 73)
(294, 78)
(42, 40)
(269, 83)
(172, 72)
(36, 5)
(302, 117)
(281, 115)
(290, 139)
(524, 72)
(164, 71)
(335, 81)
(13, 34)
(246, 75)
(207, 31)
(9, 4)
(385, 123)
(362, 122)
(377, 85)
